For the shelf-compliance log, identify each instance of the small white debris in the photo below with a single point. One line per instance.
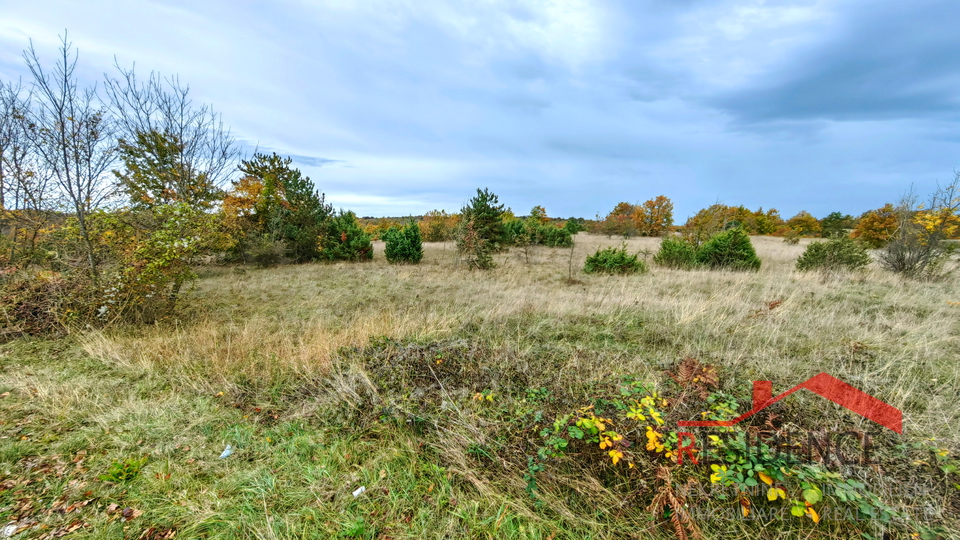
(9, 530)
(359, 491)
(226, 452)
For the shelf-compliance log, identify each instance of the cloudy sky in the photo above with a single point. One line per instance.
(400, 106)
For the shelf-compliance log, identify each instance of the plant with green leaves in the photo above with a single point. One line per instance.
(838, 253)
(730, 249)
(403, 245)
(345, 240)
(676, 253)
(613, 260)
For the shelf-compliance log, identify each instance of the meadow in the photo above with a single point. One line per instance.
(431, 386)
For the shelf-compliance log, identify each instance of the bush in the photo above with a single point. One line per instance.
(403, 245)
(548, 235)
(472, 248)
(614, 261)
(676, 253)
(264, 250)
(730, 250)
(45, 302)
(837, 254)
(345, 240)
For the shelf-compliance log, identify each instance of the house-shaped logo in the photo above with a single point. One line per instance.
(826, 386)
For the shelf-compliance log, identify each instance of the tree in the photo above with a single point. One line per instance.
(918, 246)
(876, 227)
(272, 199)
(345, 240)
(485, 213)
(804, 224)
(73, 136)
(708, 222)
(153, 174)
(438, 226)
(187, 146)
(654, 217)
(539, 214)
(481, 231)
(767, 222)
(836, 225)
(619, 221)
(25, 190)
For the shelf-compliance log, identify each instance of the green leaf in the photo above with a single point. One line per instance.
(812, 496)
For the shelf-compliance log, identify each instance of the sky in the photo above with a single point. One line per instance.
(403, 106)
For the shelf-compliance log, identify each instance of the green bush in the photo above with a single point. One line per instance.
(403, 245)
(614, 261)
(345, 240)
(548, 235)
(840, 253)
(730, 249)
(676, 253)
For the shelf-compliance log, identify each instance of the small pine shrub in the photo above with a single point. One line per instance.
(614, 261)
(676, 253)
(403, 245)
(345, 240)
(474, 250)
(730, 249)
(840, 253)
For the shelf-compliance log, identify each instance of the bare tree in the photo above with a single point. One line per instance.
(73, 136)
(160, 124)
(24, 197)
(919, 247)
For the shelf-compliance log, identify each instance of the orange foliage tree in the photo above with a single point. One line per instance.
(654, 217)
(438, 226)
(618, 222)
(877, 227)
(804, 224)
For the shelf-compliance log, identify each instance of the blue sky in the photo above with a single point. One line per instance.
(398, 107)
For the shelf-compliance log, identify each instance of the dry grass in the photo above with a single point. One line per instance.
(889, 336)
(290, 350)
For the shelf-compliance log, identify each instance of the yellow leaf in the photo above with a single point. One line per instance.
(772, 494)
(766, 479)
(813, 514)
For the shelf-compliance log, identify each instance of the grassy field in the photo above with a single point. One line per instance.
(430, 386)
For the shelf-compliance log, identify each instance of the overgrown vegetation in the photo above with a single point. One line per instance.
(840, 253)
(614, 260)
(676, 253)
(730, 249)
(403, 245)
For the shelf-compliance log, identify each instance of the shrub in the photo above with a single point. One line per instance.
(614, 261)
(729, 249)
(264, 250)
(791, 236)
(345, 240)
(403, 245)
(574, 225)
(472, 248)
(676, 253)
(548, 235)
(840, 253)
(45, 302)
